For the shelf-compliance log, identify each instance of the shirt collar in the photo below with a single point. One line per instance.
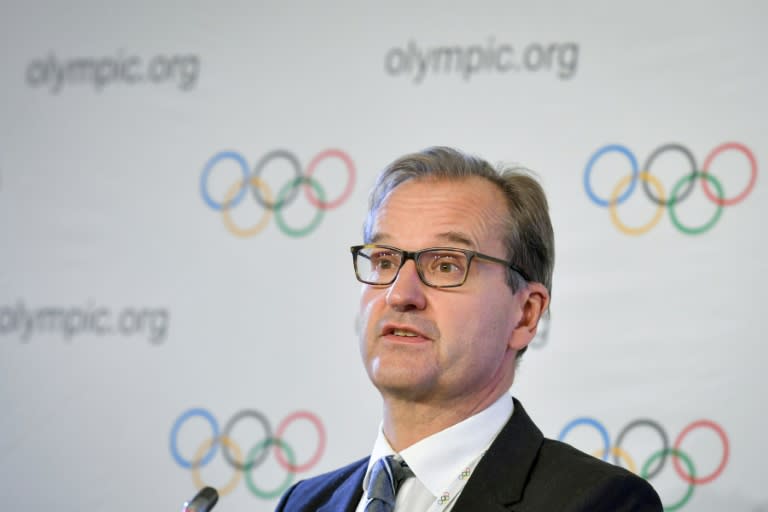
(438, 459)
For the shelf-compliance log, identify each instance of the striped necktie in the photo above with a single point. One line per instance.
(386, 476)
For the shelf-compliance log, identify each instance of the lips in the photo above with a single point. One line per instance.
(403, 333)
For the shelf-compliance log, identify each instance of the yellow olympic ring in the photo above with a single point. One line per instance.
(615, 197)
(256, 228)
(618, 452)
(238, 455)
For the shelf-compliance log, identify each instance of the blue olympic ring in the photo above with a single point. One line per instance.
(588, 172)
(593, 423)
(237, 157)
(175, 433)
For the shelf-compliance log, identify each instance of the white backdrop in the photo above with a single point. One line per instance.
(127, 301)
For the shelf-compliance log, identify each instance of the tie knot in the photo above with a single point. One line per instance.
(400, 470)
(386, 476)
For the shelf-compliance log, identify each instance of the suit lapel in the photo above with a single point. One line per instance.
(348, 494)
(499, 480)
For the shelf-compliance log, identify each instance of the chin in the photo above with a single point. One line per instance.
(397, 380)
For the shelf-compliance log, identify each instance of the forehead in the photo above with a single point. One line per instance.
(468, 212)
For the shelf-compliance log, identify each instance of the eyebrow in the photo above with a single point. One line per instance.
(378, 237)
(457, 237)
(449, 236)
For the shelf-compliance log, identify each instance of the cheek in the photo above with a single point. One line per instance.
(368, 295)
(368, 300)
(491, 322)
(500, 323)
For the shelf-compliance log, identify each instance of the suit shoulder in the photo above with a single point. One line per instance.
(331, 478)
(306, 494)
(557, 456)
(596, 484)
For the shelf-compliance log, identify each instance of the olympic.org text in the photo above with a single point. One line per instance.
(54, 73)
(69, 322)
(562, 59)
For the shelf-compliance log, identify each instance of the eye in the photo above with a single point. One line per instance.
(384, 259)
(448, 266)
(446, 262)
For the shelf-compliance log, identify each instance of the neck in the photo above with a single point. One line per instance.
(406, 422)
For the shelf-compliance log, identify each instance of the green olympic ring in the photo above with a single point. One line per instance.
(262, 445)
(288, 187)
(677, 453)
(706, 226)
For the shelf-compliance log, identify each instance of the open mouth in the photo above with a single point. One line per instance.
(403, 334)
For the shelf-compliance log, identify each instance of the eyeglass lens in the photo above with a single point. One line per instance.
(437, 267)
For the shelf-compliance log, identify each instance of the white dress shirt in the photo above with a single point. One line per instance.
(438, 460)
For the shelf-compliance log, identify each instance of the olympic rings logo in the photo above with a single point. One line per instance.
(262, 194)
(656, 461)
(680, 190)
(259, 451)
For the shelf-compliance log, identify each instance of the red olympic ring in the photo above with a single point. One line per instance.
(752, 179)
(298, 468)
(726, 452)
(329, 153)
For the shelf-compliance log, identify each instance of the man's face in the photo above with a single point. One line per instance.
(465, 338)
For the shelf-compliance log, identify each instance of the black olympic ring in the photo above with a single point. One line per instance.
(256, 191)
(228, 430)
(639, 423)
(647, 169)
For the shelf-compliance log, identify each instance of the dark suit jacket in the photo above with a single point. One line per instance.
(521, 472)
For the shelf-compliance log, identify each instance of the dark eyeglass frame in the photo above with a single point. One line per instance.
(414, 255)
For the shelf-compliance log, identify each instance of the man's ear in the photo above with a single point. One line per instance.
(534, 302)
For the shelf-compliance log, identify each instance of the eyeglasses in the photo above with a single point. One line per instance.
(438, 267)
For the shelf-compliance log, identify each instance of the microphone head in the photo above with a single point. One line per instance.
(203, 501)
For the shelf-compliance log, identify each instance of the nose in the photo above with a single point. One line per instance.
(407, 292)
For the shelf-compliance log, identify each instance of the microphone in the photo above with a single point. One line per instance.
(203, 501)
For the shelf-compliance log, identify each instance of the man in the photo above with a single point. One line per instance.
(457, 271)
